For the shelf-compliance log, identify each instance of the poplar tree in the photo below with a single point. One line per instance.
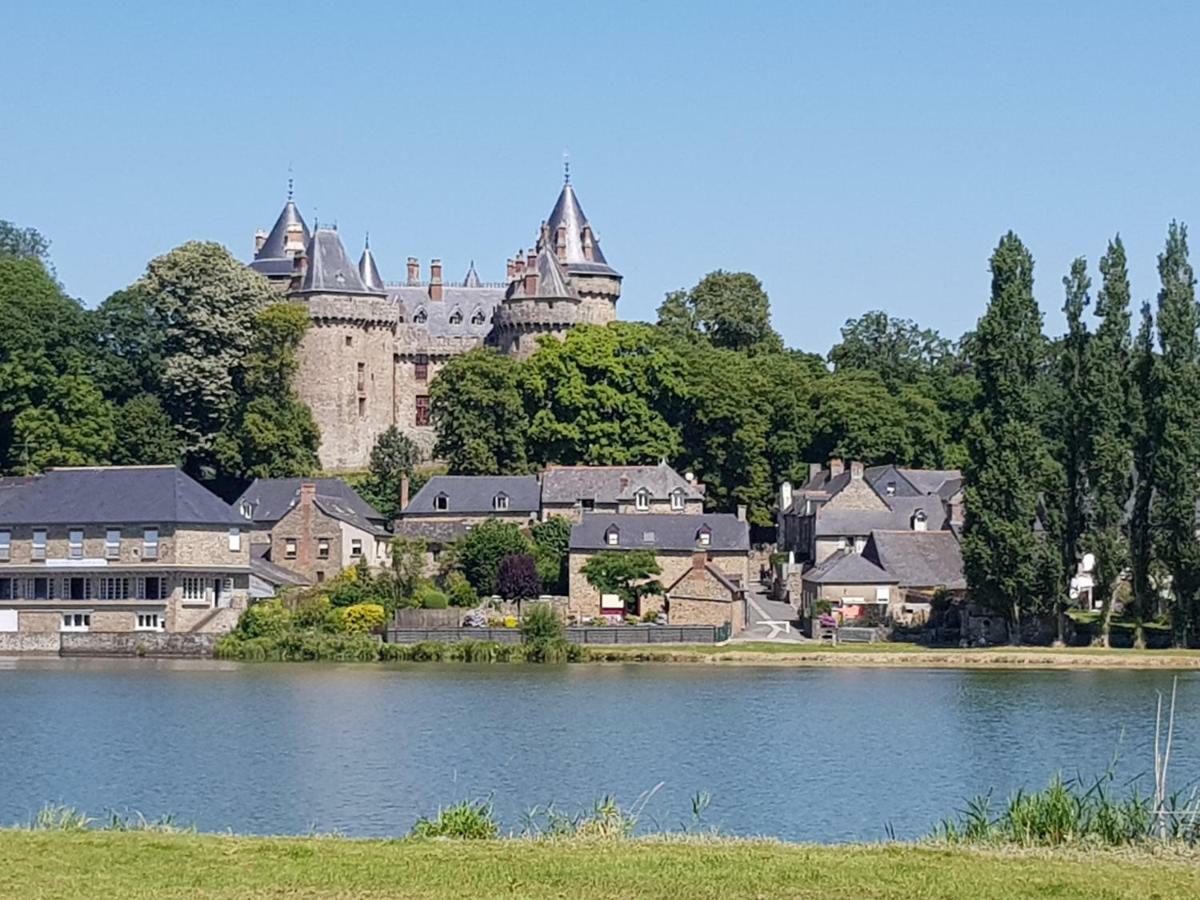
(1073, 424)
(1141, 417)
(1106, 417)
(1004, 559)
(1176, 398)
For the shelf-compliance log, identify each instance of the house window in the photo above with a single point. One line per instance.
(193, 589)
(39, 588)
(112, 543)
(362, 377)
(882, 594)
(677, 500)
(421, 368)
(8, 589)
(919, 521)
(289, 548)
(355, 548)
(422, 410)
(150, 543)
(114, 588)
(5, 546)
(456, 318)
(441, 502)
(704, 536)
(322, 548)
(588, 504)
(150, 588)
(37, 549)
(79, 589)
(76, 621)
(641, 499)
(890, 490)
(149, 622)
(500, 502)
(320, 576)
(75, 543)
(247, 510)
(477, 317)
(235, 539)
(421, 317)
(612, 537)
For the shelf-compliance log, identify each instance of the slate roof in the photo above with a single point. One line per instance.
(919, 558)
(435, 531)
(661, 531)
(329, 268)
(274, 249)
(897, 517)
(602, 484)
(414, 299)
(473, 495)
(552, 278)
(112, 495)
(846, 567)
(569, 213)
(273, 498)
(269, 571)
(730, 584)
(369, 272)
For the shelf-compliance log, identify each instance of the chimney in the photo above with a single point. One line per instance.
(295, 240)
(741, 512)
(510, 270)
(560, 242)
(414, 271)
(814, 471)
(435, 279)
(260, 238)
(531, 276)
(785, 496)
(699, 560)
(856, 470)
(588, 242)
(404, 492)
(624, 481)
(304, 553)
(836, 467)
(299, 270)
(957, 513)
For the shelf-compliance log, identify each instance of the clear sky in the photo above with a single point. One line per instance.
(853, 158)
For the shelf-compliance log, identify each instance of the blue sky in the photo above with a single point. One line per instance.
(853, 158)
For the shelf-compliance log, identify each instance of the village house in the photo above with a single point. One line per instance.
(703, 558)
(572, 491)
(304, 530)
(119, 549)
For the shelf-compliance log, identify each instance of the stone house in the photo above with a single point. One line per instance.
(856, 588)
(703, 558)
(374, 346)
(312, 528)
(572, 491)
(119, 549)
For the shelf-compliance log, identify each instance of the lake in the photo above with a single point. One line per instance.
(831, 754)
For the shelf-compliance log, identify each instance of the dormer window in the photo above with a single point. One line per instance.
(677, 501)
(247, 510)
(641, 500)
(500, 502)
(456, 317)
(477, 317)
(421, 317)
(441, 502)
(612, 536)
(920, 521)
(890, 489)
(704, 536)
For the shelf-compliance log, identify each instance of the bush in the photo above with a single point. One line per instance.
(460, 591)
(267, 618)
(541, 623)
(361, 618)
(313, 613)
(464, 821)
(429, 597)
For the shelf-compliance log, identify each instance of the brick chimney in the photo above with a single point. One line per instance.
(836, 467)
(699, 560)
(624, 481)
(741, 512)
(299, 270)
(814, 471)
(588, 244)
(304, 553)
(404, 492)
(510, 270)
(260, 238)
(435, 279)
(531, 275)
(295, 239)
(414, 271)
(856, 470)
(560, 242)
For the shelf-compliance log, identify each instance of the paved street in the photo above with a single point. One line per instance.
(768, 620)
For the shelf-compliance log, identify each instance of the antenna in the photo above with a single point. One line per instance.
(566, 167)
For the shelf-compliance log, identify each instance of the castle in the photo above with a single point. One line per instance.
(374, 346)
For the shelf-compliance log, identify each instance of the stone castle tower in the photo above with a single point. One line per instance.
(374, 346)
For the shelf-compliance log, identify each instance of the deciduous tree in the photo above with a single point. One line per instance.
(477, 408)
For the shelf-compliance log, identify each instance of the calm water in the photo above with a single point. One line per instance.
(801, 754)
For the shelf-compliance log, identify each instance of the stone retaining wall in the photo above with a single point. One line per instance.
(145, 643)
(43, 642)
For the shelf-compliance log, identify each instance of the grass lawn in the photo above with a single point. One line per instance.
(102, 865)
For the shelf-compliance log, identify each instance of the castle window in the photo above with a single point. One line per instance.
(362, 407)
(477, 317)
(500, 502)
(362, 377)
(349, 341)
(422, 410)
(421, 368)
(421, 317)
(456, 317)
(441, 502)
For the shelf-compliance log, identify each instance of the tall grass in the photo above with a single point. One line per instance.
(57, 817)
(305, 646)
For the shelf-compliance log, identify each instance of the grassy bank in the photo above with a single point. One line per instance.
(102, 865)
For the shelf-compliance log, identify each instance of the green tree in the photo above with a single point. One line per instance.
(898, 349)
(24, 243)
(1003, 558)
(1105, 419)
(394, 457)
(71, 425)
(130, 333)
(480, 551)
(1177, 460)
(551, 549)
(730, 309)
(147, 436)
(627, 573)
(604, 396)
(1143, 378)
(477, 409)
(269, 432)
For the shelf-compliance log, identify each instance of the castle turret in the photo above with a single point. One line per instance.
(367, 269)
(275, 252)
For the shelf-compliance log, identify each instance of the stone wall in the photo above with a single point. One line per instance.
(585, 599)
(137, 644)
(857, 494)
(44, 642)
(308, 525)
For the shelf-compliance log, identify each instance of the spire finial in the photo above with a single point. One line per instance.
(291, 182)
(367, 242)
(566, 167)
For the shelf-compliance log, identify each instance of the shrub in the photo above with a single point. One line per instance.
(480, 551)
(267, 618)
(517, 578)
(313, 613)
(463, 821)
(429, 597)
(541, 623)
(460, 592)
(361, 618)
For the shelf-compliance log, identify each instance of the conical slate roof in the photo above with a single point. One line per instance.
(276, 244)
(329, 268)
(472, 279)
(368, 271)
(569, 213)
